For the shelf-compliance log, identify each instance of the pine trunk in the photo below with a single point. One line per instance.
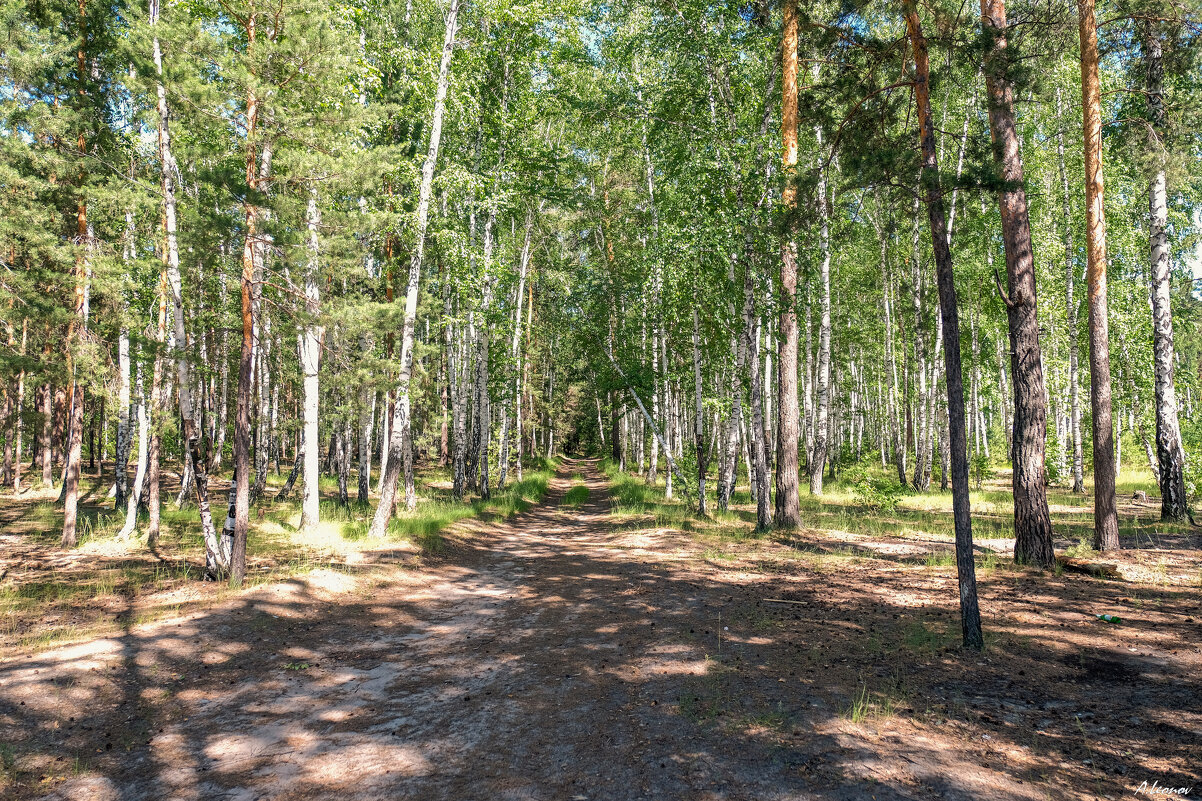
(1106, 531)
(788, 511)
(1032, 520)
(970, 617)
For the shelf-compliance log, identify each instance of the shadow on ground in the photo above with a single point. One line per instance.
(555, 656)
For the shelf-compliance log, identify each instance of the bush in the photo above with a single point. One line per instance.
(882, 494)
(981, 469)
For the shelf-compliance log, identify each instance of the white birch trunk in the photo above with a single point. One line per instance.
(523, 265)
(310, 358)
(822, 413)
(400, 423)
(215, 560)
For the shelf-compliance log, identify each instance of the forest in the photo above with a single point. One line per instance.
(652, 399)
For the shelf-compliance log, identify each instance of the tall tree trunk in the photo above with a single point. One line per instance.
(788, 511)
(699, 416)
(671, 434)
(970, 616)
(524, 374)
(222, 422)
(728, 468)
(159, 403)
(121, 479)
(1070, 307)
(1170, 454)
(367, 416)
(191, 428)
(653, 462)
(262, 379)
(238, 524)
(78, 327)
(523, 265)
(344, 460)
(458, 425)
(47, 435)
(1106, 527)
(18, 423)
(482, 411)
(758, 442)
(310, 365)
(135, 491)
(124, 434)
(823, 407)
(1032, 520)
(921, 423)
(400, 436)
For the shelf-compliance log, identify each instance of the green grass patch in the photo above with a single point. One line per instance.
(576, 496)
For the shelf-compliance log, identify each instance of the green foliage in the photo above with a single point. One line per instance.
(980, 469)
(872, 491)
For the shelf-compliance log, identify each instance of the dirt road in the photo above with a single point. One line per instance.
(554, 656)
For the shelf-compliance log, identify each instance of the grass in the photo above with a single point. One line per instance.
(844, 507)
(575, 496)
(941, 559)
(867, 705)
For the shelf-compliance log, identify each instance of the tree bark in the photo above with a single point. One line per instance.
(238, 524)
(78, 326)
(310, 365)
(1032, 520)
(400, 437)
(515, 341)
(788, 511)
(47, 435)
(159, 402)
(970, 616)
(191, 429)
(823, 401)
(124, 434)
(135, 491)
(222, 422)
(18, 422)
(1170, 454)
(1106, 530)
(1070, 308)
(699, 416)
(367, 416)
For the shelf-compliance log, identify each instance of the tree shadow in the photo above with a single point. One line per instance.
(540, 659)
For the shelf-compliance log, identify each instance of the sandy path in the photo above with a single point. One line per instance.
(555, 656)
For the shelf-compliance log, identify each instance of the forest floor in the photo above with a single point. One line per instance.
(602, 645)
